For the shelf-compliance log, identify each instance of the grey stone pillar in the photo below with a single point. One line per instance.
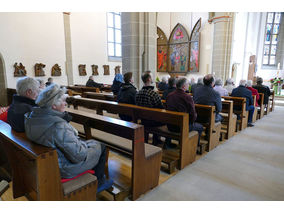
(138, 44)
(280, 46)
(68, 49)
(3, 83)
(222, 45)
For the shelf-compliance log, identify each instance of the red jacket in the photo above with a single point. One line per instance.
(254, 92)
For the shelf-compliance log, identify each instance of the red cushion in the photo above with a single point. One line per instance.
(64, 180)
(3, 113)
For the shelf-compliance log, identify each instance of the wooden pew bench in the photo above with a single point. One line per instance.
(255, 112)
(230, 119)
(187, 141)
(35, 171)
(239, 102)
(261, 107)
(100, 96)
(146, 159)
(271, 101)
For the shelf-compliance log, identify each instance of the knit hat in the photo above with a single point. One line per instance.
(50, 95)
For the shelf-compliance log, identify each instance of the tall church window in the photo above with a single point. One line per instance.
(114, 34)
(271, 38)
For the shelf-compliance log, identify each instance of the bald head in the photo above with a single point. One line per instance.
(208, 80)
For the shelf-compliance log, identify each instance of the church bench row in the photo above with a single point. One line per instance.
(35, 171)
(188, 141)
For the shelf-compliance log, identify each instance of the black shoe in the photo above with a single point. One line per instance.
(250, 125)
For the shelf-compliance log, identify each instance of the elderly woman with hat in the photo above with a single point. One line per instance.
(48, 125)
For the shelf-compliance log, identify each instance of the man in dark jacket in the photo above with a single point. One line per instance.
(127, 94)
(92, 83)
(27, 92)
(195, 86)
(179, 101)
(262, 89)
(206, 95)
(163, 85)
(171, 88)
(242, 91)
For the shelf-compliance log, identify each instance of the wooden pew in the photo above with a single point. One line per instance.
(261, 107)
(35, 171)
(271, 101)
(187, 140)
(82, 89)
(254, 117)
(241, 103)
(213, 129)
(230, 119)
(100, 96)
(10, 93)
(146, 159)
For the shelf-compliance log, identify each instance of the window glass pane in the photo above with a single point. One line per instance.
(267, 39)
(118, 50)
(275, 28)
(118, 36)
(273, 50)
(110, 49)
(277, 18)
(110, 36)
(265, 59)
(117, 22)
(274, 39)
(270, 18)
(266, 50)
(110, 20)
(272, 60)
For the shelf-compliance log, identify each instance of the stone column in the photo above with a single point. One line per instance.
(138, 44)
(280, 46)
(3, 83)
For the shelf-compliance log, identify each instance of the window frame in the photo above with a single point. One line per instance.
(113, 57)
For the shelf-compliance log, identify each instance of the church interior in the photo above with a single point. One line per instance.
(239, 158)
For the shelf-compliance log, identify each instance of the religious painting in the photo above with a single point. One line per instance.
(82, 69)
(178, 50)
(106, 69)
(162, 51)
(117, 70)
(56, 70)
(194, 47)
(95, 69)
(39, 69)
(20, 70)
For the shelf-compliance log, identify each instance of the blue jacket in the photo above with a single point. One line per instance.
(242, 91)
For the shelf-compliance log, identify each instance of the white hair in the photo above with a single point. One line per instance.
(243, 82)
(229, 81)
(26, 83)
(219, 82)
(200, 80)
(165, 79)
(249, 83)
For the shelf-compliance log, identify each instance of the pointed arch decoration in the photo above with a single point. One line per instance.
(195, 47)
(178, 60)
(162, 51)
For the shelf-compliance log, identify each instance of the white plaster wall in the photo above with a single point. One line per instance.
(167, 21)
(89, 46)
(32, 38)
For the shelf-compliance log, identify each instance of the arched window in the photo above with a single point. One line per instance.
(271, 38)
(114, 35)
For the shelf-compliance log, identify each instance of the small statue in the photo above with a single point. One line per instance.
(19, 70)
(117, 70)
(56, 70)
(95, 69)
(39, 69)
(106, 69)
(82, 69)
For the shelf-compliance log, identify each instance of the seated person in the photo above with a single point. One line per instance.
(48, 125)
(147, 97)
(179, 101)
(49, 82)
(195, 86)
(229, 85)
(242, 91)
(23, 102)
(92, 83)
(127, 94)
(171, 88)
(163, 85)
(117, 83)
(218, 88)
(262, 89)
(253, 91)
(206, 95)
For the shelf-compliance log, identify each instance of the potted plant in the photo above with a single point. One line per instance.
(277, 85)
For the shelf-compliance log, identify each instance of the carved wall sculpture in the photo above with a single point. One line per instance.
(95, 69)
(39, 69)
(106, 69)
(117, 70)
(20, 70)
(56, 70)
(82, 69)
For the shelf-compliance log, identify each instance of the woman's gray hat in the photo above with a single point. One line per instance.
(50, 95)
